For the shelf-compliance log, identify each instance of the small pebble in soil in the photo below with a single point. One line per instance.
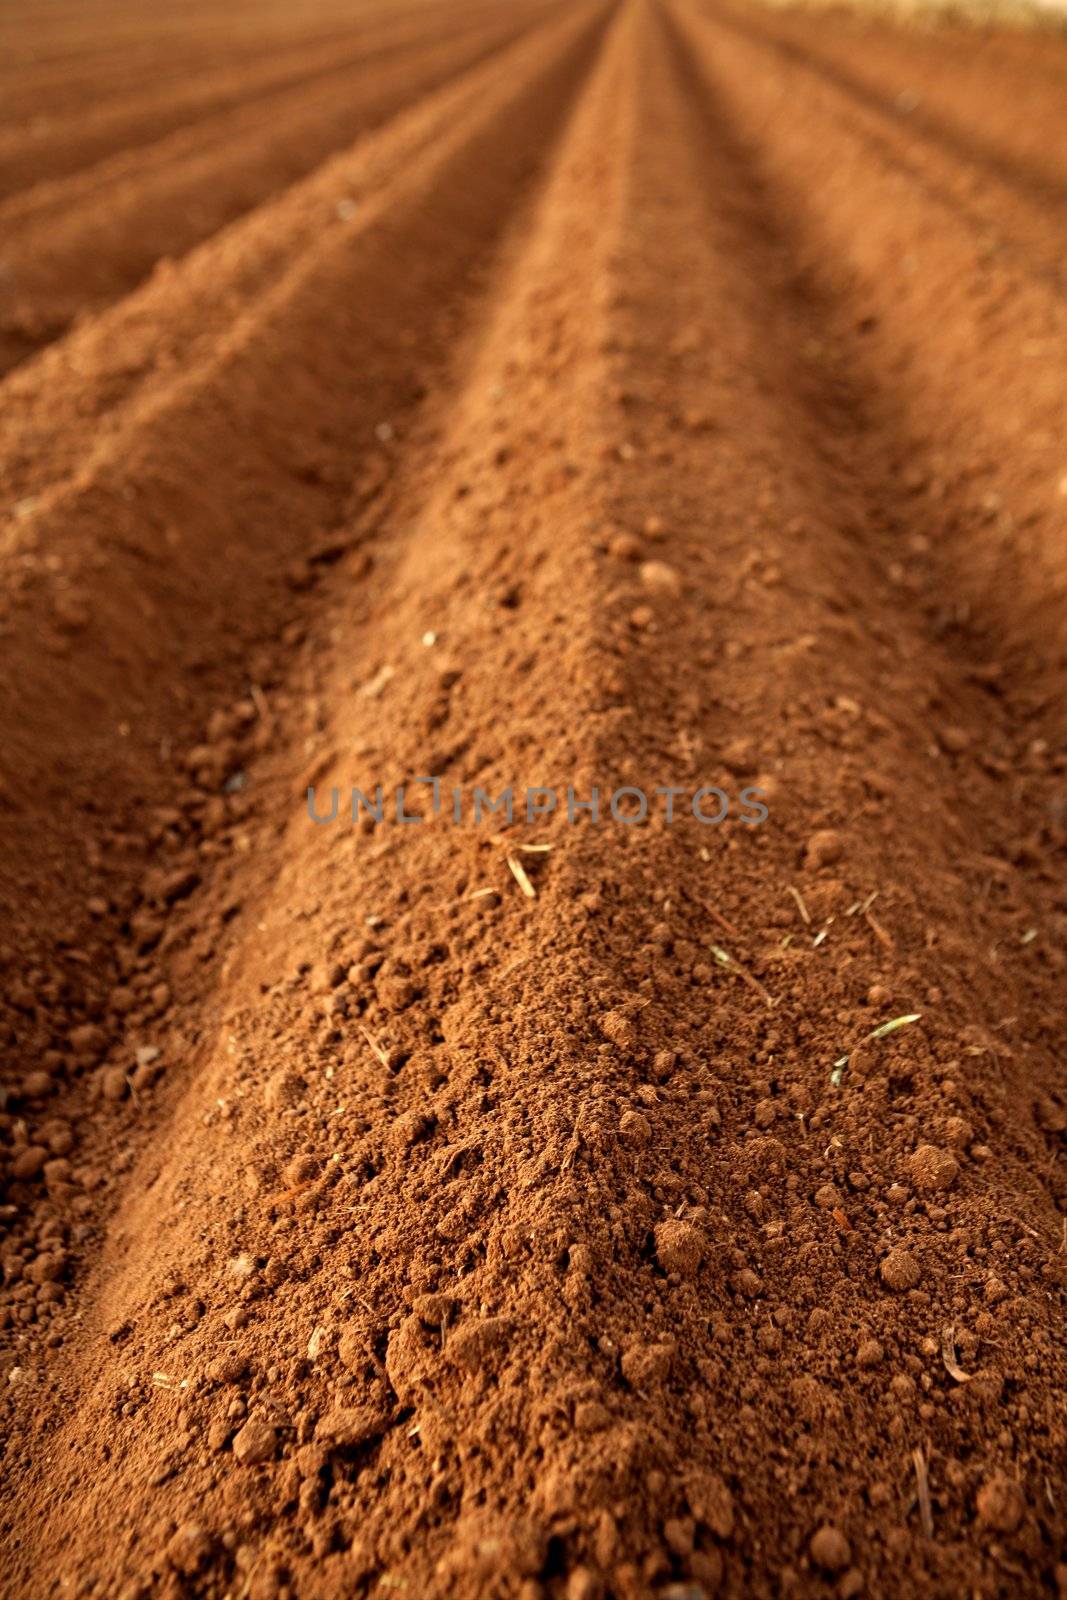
(710, 1501)
(395, 993)
(88, 1040)
(60, 1138)
(747, 1283)
(352, 1349)
(408, 1129)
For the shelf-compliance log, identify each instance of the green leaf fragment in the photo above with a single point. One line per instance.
(891, 1027)
(881, 1032)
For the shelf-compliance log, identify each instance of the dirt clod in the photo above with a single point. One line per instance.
(29, 1162)
(255, 1443)
(824, 849)
(900, 1270)
(680, 1247)
(829, 1548)
(348, 1426)
(870, 1353)
(932, 1168)
(616, 1026)
(189, 1549)
(1000, 1503)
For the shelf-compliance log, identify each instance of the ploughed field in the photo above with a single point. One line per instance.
(662, 396)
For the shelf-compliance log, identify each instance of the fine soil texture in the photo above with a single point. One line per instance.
(658, 395)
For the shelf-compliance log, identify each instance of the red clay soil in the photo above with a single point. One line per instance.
(658, 394)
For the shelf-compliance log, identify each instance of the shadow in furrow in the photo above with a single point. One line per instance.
(1042, 190)
(1043, 186)
(858, 425)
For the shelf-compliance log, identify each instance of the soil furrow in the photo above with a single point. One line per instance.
(85, 34)
(274, 482)
(119, 66)
(1011, 196)
(32, 156)
(809, 683)
(554, 1203)
(990, 441)
(419, 575)
(934, 92)
(161, 202)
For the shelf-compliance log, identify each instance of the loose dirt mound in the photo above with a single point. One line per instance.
(654, 396)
